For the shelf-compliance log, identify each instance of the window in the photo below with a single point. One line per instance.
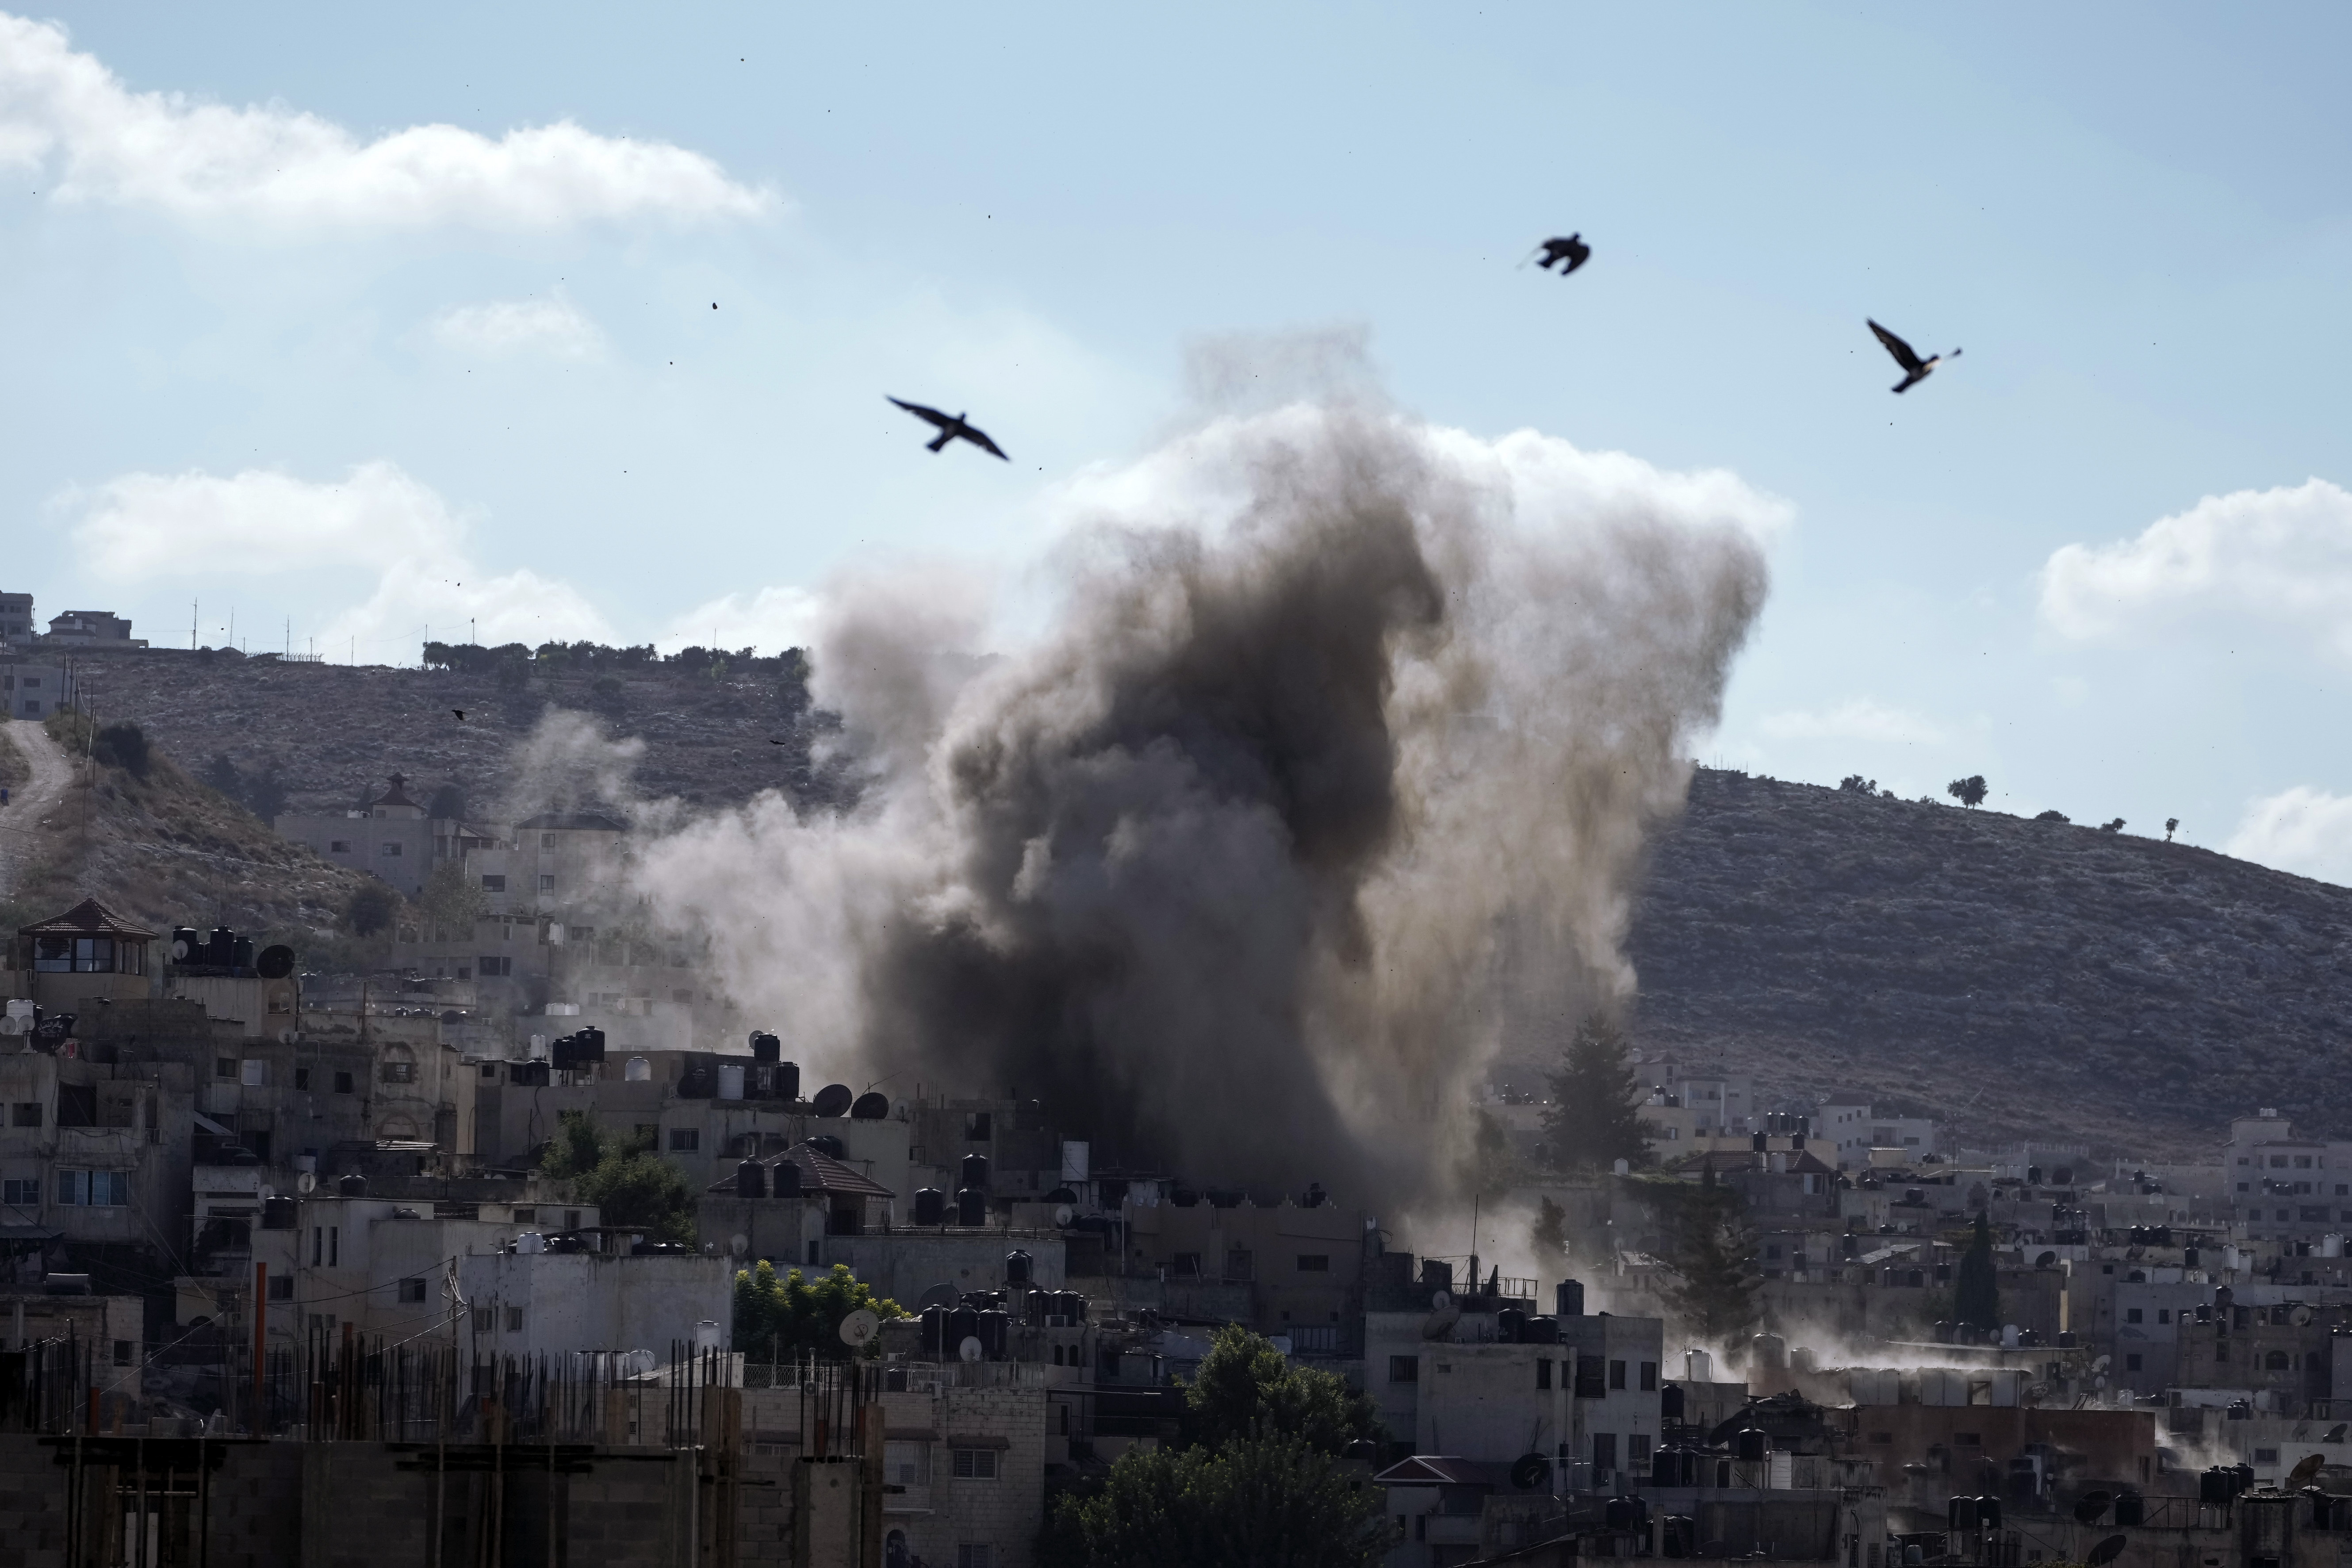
(1314, 1263)
(484, 1319)
(490, 1070)
(525, 1215)
(2303, 1161)
(1185, 1263)
(1604, 1451)
(252, 1073)
(971, 1556)
(547, 841)
(1649, 1377)
(1616, 1374)
(412, 1290)
(25, 1113)
(1637, 1450)
(301, 1077)
(514, 1320)
(684, 1139)
(975, 1464)
(21, 1194)
(93, 1189)
(2131, 1363)
(281, 1287)
(2131, 1315)
(343, 1083)
(2275, 1362)
(122, 1352)
(392, 851)
(2267, 1455)
(224, 1066)
(1543, 1372)
(338, 846)
(546, 883)
(493, 968)
(572, 1219)
(2164, 1314)
(493, 884)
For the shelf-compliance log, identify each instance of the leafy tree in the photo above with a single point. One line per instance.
(790, 1317)
(1855, 783)
(1592, 1119)
(1275, 1502)
(1976, 1288)
(2171, 826)
(1968, 792)
(1246, 1388)
(452, 901)
(622, 1176)
(122, 744)
(1711, 1254)
(1550, 1232)
(221, 776)
(369, 907)
(2115, 827)
(449, 803)
(265, 794)
(2051, 817)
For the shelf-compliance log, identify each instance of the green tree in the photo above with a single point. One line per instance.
(1976, 1290)
(1275, 1502)
(451, 902)
(1593, 1120)
(122, 744)
(791, 1317)
(628, 1183)
(1968, 792)
(1711, 1255)
(1550, 1232)
(1246, 1388)
(369, 907)
(222, 776)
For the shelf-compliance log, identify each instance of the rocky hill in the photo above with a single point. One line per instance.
(2018, 977)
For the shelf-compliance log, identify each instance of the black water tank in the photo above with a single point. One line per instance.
(1987, 1514)
(588, 1044)
(963, 1323)
(698, 1077)
(353, 1186)
(996, 1331)
(826, 1145)
(2131, 1508)
(788, 1081)
(1017, 1267)
(832, 1100)
(1763, 1141)
(750, 1179)
(1670, 1402)
(870, 1107)
(1074, 1306)
(1751, 1444)
(975, 1171)
(1567, 1297)
(187, 945)
(786, 1179)
(930, 1206)
(278, 1214)
(241, 953)
(766, 1047)
(1183, 1197)
(935, 1328)
(222, 949)
(1540, 1331)
(972, 1206)
(2213, 1488)
(1625, 1513)
(1510, 1326)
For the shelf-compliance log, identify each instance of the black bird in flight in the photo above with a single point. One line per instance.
(460, 712)
(1915, 369)
(951, 427)
(1572, 250)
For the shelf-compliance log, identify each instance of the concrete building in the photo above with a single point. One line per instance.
(530, 1299)
(16, 620)
(91, 628)
(1302, 1263)
(94, 1166)
(1856, 1132)
(33, 685)
(392, 838)
(964, 1456)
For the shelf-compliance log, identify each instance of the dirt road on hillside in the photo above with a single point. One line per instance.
(20, 820)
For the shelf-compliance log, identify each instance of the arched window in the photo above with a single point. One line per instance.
(2275, 1362)
(397, 1127)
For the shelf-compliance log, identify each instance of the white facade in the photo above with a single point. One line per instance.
(551, 1303)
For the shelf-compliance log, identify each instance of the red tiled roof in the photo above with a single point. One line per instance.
(88, 918)
(819, 1174)
(1436, 1471)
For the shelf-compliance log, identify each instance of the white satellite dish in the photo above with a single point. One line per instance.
(11, 1025)
(738, 1244)
(971, 1348)
(1440, 1323)
(858, 1329)
(307, 1183)
(1440, 1301)
(1064, 1214)
(2301, 1316)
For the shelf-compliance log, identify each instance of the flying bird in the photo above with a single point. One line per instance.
(1572, 250)
(1915, 369)
(951, 426)
(460, 712)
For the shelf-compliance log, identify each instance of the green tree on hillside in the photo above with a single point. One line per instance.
(370, 908)
(1968, 792)
(1976, 1290)
(627, 1182)
(781, 1318)
(1549, 1233)
(1711, 1255)
(1593, 1120)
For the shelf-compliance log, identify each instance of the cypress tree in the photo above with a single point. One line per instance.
(1712, 1257)
(1593, 1120)
(1976, 1293)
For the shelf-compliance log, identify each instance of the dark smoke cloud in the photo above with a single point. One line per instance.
(1338, 711)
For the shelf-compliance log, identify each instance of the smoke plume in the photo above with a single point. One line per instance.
(1340, 717)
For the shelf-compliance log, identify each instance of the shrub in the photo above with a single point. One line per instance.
(122, 744)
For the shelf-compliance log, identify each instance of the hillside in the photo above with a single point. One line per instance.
(2026, 978)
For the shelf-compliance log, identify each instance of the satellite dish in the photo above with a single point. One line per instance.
(11, 1026)
(832, 1100)
(2301, 1316)
(870, 1107)
(2305, 1470)
(184, 947)
(2101, 1364)
(2335, 1433)
(2107, 1551)
(1441, 1321)
(307, 1182)
(1064, 1214)
(2090, 1506)
(2047, 1261)
(1439, 1301)
(275, 962)
(738, 1244)
(858, 1329)
(1529, 1471)
(941, 1295)
(971, 1348)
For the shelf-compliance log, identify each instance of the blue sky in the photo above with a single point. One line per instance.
(281, 347)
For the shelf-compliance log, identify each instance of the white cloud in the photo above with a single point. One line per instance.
(771, 620)
(507, 326)
(2279, 557)
(2303, 830)
(99, 141)
(1858, 718)
(142, 527)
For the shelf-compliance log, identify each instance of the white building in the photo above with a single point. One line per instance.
(531, 1302)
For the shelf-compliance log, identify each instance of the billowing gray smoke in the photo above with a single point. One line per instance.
(1341, 717)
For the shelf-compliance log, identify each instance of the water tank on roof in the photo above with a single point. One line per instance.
(996, 1331)
(1762, 1141)
(1510, 1324)
(972, 1206)
(1568, 1299)
(1540, 1332)
(935, 1320)
(187, 945)
(730, 1080)
(962, 1323)
(278, 1214)
(222, 949)
(766, 1047)
(1960, 1513)
(785, 1178)
(1018, 1268)
(241, 952)
(1751, 1444)
(930, 1206)
(826, 1145)
(637, 1070)
(975, 1171)
(750, 1179)
(697, 1075)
